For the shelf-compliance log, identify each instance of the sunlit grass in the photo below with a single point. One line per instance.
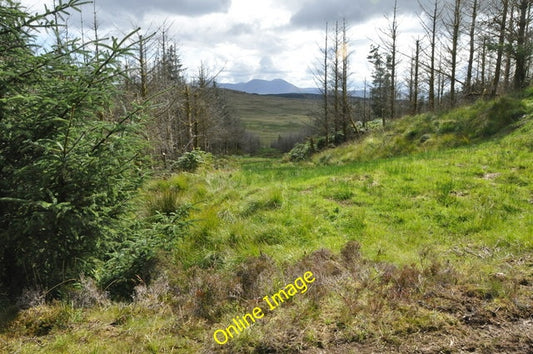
(475, 194)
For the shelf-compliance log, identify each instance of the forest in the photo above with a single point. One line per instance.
(138, 214)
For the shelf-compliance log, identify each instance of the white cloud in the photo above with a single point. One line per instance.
(263, 39)
(313, 13)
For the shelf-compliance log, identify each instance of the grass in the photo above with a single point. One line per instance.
(270, 116)
(407, 250)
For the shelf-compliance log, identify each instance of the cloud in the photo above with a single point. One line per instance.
(271, 69)
(138, 8)
(240, 29)
(315, 13)
(250, 39)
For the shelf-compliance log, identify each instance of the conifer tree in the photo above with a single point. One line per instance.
(68, 160)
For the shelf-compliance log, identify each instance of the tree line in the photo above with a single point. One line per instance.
(468, 49)
(186, 115)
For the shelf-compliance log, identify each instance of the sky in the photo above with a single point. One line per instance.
(255, 39)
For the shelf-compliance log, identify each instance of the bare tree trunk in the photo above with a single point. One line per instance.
(336, 82)
(95, 28)
(508, 57)
(433, 45)
(454, 49)
(468, 84)
(483, 63)
(325, 88)
(501, 42)
(415, 89)
(440, 82)
(394, 38)
(412, 83)
(143, 68)
(521, 51)
(345, 102)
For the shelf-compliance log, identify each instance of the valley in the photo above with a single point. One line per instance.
(269, 116)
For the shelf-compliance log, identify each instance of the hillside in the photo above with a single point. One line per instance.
(269, 116)
(418, 238)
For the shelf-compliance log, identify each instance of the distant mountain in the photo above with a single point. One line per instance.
(265, 87)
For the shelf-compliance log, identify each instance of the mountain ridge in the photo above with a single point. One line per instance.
(280, 87)
(267, 87)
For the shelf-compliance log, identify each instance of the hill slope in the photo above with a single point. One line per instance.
(269, 116)
(433, 132)
(416, 249)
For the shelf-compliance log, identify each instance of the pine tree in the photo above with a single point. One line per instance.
(68, 160)
(381, 83)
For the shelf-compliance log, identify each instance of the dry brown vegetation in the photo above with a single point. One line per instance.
(355, 305)
(377, 307)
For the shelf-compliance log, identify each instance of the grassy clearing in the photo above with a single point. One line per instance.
(408, 252)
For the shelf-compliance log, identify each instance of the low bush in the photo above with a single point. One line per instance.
(192, 160)
(300, 152)
(134, 256)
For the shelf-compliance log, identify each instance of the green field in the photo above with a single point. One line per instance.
(419, 237)
(270, 116)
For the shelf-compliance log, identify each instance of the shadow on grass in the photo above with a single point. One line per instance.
(8, 313)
